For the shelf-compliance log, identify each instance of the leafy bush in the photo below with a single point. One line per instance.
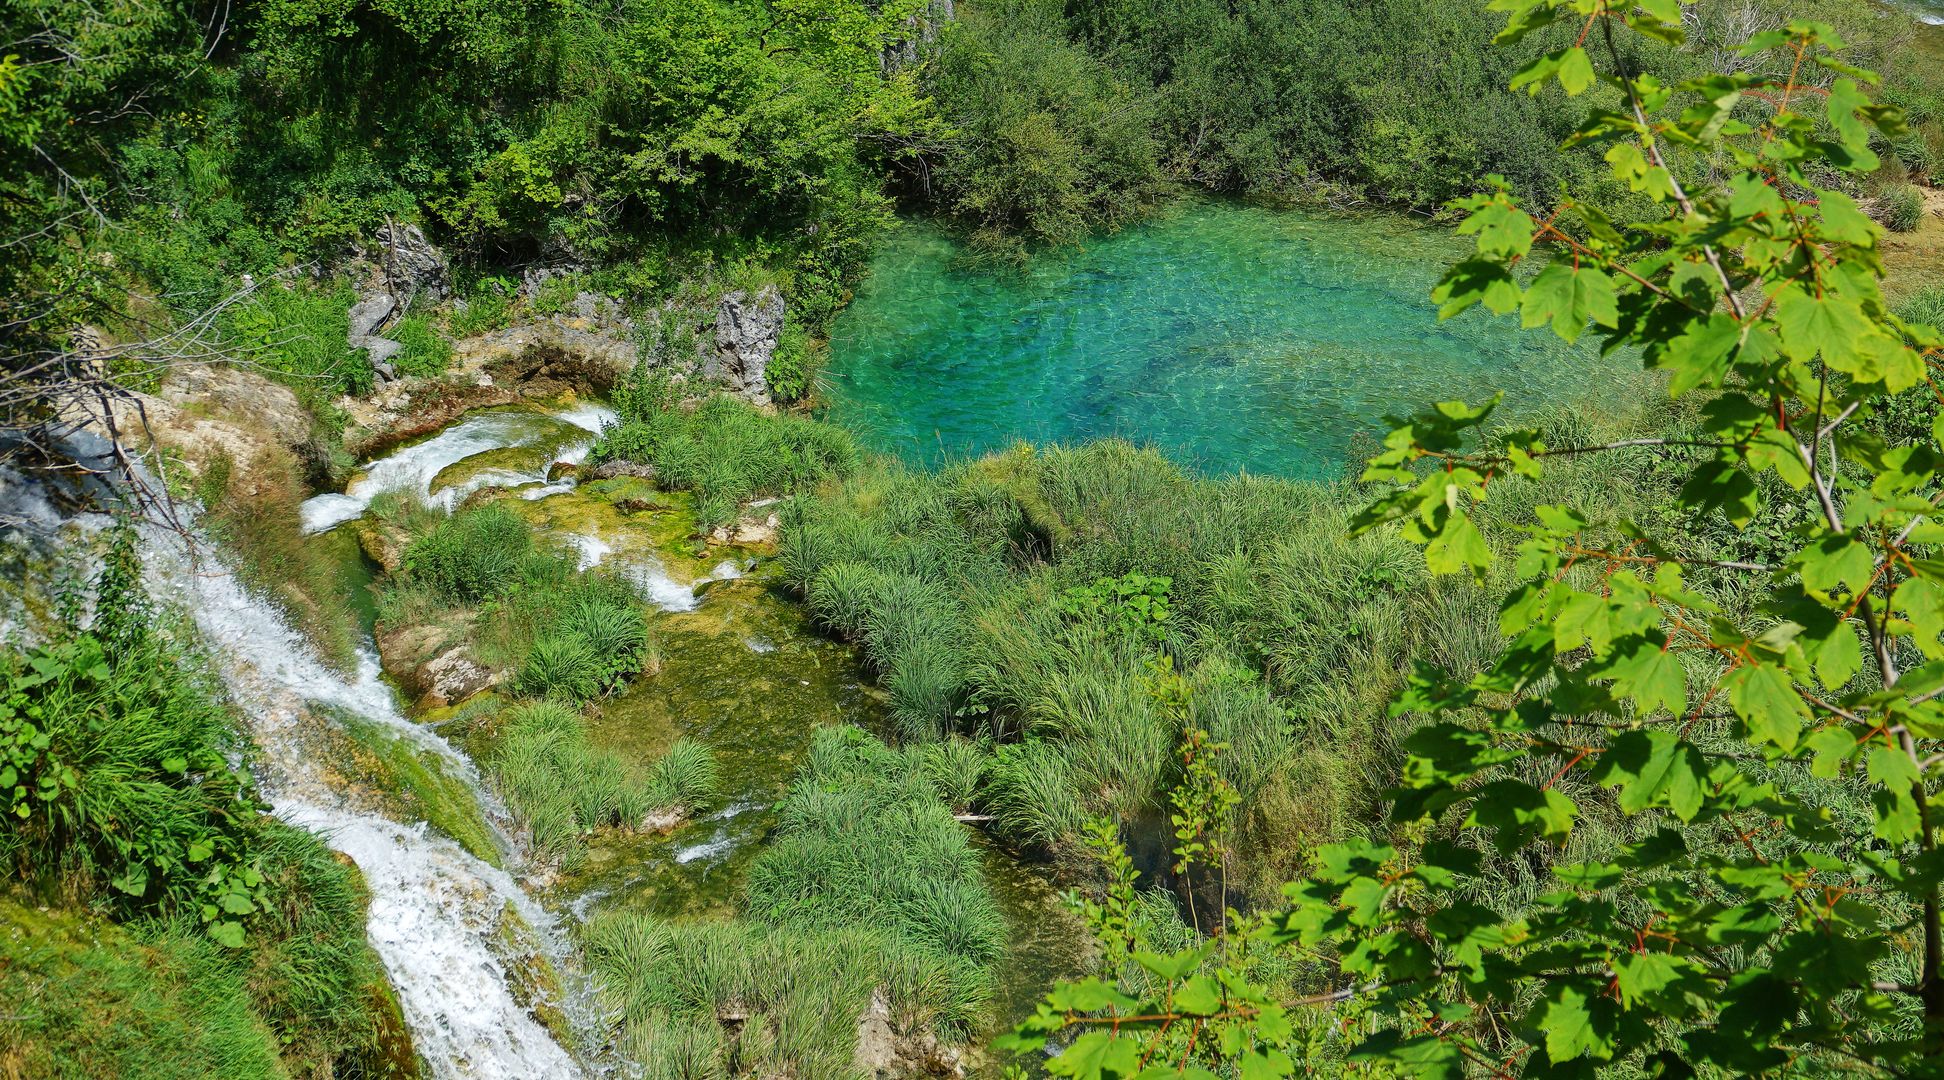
(426, 352)
(1134, 602)
(488, 306)
(1051, 142)
(118, 785)
(792, 371)
(300, 335)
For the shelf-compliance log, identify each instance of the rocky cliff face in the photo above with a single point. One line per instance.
(747, 330)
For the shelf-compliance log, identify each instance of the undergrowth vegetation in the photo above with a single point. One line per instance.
(236, 942)
(870, 902)
(1046, 600)
(721, 448)
(563, 787)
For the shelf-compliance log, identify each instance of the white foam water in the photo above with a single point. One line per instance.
(439, 917)
(436, 910)
(412, 468)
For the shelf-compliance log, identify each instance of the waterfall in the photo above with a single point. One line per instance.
(439, 917)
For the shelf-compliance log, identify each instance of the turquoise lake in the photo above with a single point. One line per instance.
(1232, 337)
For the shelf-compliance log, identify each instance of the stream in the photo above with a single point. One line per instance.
(451, 928)
(741, 670)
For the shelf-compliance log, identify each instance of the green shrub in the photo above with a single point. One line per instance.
(685, 777)
(299, 334)
(792, 371)
(1902, 208)
(426, 352)
(472, 556)
(488, 306)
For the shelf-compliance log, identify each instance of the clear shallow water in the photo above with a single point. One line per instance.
(1232, 337)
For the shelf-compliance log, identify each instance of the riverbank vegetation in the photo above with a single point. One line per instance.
(160, 922)
(867, 921)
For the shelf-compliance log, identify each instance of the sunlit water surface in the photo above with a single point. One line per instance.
(1232, 337)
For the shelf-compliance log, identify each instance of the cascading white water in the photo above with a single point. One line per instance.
(439, 916)
(436, 910)
(413, 468)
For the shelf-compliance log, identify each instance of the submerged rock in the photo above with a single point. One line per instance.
(746, 333)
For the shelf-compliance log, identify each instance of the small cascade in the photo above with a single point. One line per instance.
(440, 917)
(459, 939)
(415, 467)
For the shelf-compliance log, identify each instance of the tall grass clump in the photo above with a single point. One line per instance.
(871, 894)
(473, 556)
(562, 787)
(716, 999)
(865, 842)
(1902, 208)
(683, 778)
(721, 448)
(590, 637)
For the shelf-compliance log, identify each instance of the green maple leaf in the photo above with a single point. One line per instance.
(1567, 298)
(1831, 325)
(1767, 702)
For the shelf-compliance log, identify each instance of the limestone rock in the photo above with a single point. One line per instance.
(608, 470)
(884, 1052)
(367, 315)
(451, 677)
(746, 332)
(747, 532)
(586, 360)
(209, 413)
(382, 543)
(404, 650)
(411, 264)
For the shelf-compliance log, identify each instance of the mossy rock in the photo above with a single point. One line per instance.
(531, 977)
(411, 783)
(519, 460)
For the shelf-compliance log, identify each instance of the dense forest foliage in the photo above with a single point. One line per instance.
(159, 151)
